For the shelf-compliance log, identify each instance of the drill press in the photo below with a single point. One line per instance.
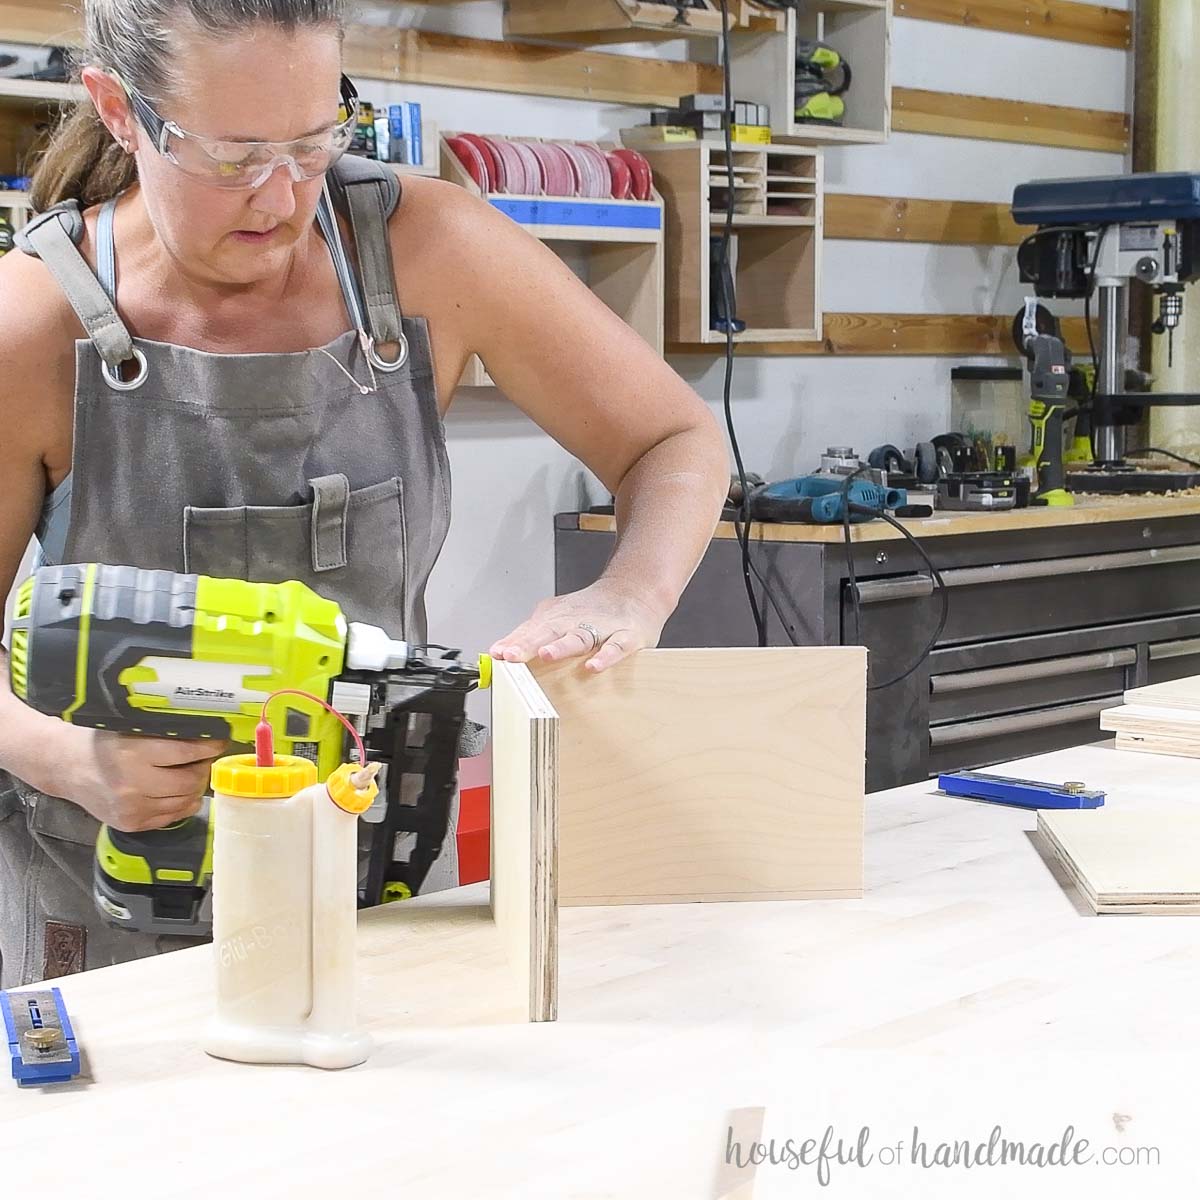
(1103, 235)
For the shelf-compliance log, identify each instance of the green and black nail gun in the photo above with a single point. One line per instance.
(186, 656)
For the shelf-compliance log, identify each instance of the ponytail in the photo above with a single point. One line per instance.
(83, 162)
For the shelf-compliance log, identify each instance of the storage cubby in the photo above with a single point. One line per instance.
(764, 69)
(777, 222)
(594, 22)
(615, 246)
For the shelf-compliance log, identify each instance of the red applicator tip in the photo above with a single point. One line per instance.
(264, 744)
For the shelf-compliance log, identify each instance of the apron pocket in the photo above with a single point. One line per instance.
(52, 817)
(346, 545)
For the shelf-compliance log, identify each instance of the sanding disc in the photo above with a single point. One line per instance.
(533, 169)
(622, 178)
(471, 159)
(491, 160)
(643, 177)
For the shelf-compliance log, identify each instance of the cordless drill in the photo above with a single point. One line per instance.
(186, 656)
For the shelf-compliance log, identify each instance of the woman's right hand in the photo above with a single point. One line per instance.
(134, 783)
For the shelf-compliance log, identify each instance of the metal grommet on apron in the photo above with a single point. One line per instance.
(381, 364)
(118, 384)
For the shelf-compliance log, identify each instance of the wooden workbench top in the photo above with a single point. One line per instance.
(1087, 510)
(969, 987)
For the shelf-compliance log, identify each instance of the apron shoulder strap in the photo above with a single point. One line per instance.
(367, 193)
(54, 237)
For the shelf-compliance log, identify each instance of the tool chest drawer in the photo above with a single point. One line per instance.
(993, 691)
(1010, 599)
(1178, 658)
(967, 744)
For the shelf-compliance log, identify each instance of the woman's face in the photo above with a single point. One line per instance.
(266, 85)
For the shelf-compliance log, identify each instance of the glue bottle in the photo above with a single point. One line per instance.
(285, 890)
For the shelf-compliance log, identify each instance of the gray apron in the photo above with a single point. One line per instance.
(265, 467)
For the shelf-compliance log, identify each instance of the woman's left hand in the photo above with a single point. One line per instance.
(605, 623)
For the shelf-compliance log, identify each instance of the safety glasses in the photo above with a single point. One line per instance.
(246, 164)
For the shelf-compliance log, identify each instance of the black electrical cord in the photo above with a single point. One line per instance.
(741, 524)
(729, 295)
(1191, 462)
(855, 600)
(943, 618)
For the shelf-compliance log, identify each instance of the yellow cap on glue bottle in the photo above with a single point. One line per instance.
(351, 799)
(240, 777)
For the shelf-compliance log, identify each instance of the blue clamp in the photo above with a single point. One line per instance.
(41, 1042)
(1023, 793)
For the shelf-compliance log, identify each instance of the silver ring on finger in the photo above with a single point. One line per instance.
(597, 638)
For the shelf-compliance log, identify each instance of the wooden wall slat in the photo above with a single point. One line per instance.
(40, 22)
(413, 56)
(1062, 20)
(899, 334)
(916, 111)
(896, 219)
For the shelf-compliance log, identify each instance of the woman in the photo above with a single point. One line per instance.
(194, 371)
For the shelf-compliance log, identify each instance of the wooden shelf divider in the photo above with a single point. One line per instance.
(777, 255)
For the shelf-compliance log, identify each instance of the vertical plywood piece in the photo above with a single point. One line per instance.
(721, 774)
(525, 835)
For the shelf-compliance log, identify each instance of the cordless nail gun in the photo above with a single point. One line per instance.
(187, 656)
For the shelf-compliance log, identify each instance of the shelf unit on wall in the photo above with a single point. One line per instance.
(764, 70)
(593, 22)
(778, 199)
(27, 109)
(622, 242)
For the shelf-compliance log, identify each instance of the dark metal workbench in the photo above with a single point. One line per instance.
(1053, 614)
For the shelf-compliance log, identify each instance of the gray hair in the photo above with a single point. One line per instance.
(138, 40)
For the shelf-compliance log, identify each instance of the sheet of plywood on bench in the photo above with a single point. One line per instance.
(720, 774)
(1129, 860)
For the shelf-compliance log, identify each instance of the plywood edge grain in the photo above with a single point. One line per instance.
(524, 852)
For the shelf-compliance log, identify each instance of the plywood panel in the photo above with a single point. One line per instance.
(691, 775)
(1063, 20)
(1176, 693)
(524, 835)
(1129, 860)
(1150, 720)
